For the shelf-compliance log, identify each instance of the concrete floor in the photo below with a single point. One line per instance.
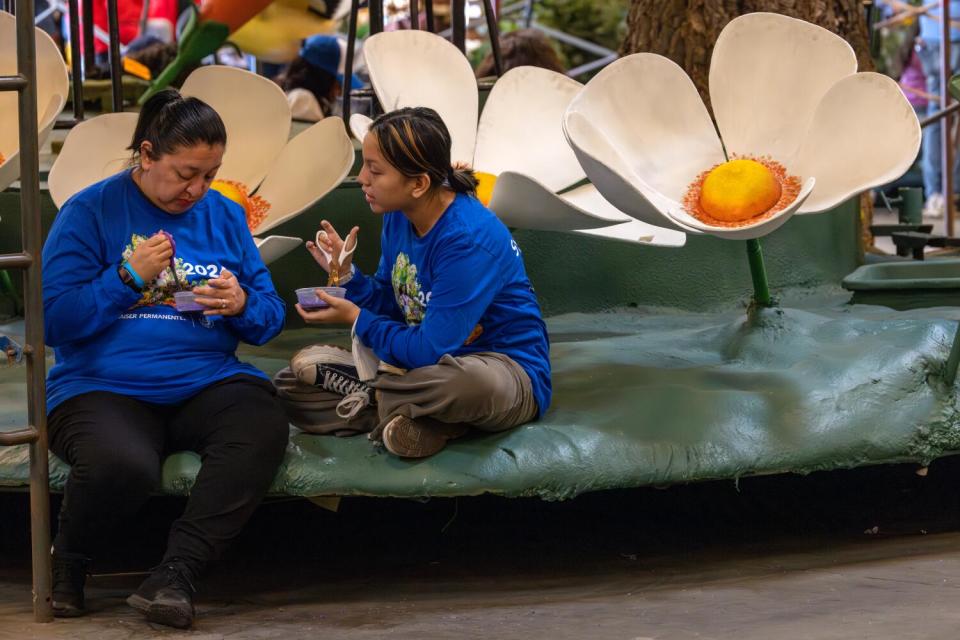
(778, 557)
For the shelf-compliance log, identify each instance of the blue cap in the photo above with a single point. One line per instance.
(328, 53)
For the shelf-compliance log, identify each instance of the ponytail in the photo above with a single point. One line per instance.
(462, 179)
(168, 121)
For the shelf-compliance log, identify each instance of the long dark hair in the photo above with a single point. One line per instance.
(168, 121)
(303, 75)
(522, 47)
(416, 142)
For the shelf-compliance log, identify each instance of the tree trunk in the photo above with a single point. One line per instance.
(685, 30)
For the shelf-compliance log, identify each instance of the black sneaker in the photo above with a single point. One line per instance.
(69, 577)
(327, 367)
(166, 596)
(331, 368)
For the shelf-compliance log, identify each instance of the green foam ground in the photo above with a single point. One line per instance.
(649, 397)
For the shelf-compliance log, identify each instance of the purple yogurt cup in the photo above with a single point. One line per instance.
(186, 302)
(308, 297)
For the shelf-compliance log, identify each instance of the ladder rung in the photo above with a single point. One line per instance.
(15, 260)
(21, 436)
(12, 83)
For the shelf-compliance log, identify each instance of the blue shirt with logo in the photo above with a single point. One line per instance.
(108, 337)
(460, 289)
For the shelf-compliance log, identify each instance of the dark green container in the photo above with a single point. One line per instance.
(906, 285)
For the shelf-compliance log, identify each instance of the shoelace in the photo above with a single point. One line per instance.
(338, 383)
(352, 404)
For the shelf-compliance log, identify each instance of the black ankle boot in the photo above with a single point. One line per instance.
(166, 596)
(69, 576)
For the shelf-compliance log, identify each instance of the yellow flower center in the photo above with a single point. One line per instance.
(739, 190)
(487, 181)
(255, 207)
(231, 190)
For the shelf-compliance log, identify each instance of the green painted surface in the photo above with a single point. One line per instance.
(648, 397)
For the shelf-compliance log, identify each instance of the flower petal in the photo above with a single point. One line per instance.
(521, 128)
(587, 198)
(272, 248)
(419, 69)
(359, 126)
(52, 75)
(637, 232)
(524, 203)
(767, 75)
(10, 167)
(93, 150)
(52, 89)
(864, 134)
(757, 229)
(308, 168)
(615, 180)
(255, 113)
(651, 115)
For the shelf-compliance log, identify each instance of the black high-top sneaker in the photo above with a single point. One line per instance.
(166, 596)
(69, 576)
(332, 369)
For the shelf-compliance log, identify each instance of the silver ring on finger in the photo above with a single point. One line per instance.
(223, 304)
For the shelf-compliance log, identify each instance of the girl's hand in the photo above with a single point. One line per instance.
(151, 256)
(340, 311)
(331, 246)
(223, 295)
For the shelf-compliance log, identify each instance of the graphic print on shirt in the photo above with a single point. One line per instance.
(407, 291)
(410, 297)
(160, 290)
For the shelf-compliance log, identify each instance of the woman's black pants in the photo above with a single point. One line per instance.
(115, 446)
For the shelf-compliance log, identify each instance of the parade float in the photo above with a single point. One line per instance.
(673, 359)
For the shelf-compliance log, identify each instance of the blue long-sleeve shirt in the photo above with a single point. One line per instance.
(107, 337)
(462, 288)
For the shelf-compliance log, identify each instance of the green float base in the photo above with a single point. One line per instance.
(650, 397)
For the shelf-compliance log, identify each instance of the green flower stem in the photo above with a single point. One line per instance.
(761, 290)
(950, 375)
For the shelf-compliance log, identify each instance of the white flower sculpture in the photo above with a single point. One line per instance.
(529, 176)
(273, 178)
(803, 131)
(52, 88)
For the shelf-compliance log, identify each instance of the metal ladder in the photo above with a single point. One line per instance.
(28, 260)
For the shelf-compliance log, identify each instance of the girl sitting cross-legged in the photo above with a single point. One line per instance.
(450, 313)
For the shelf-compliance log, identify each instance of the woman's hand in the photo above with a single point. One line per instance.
(340, 311)
(223, 295)
(151, 256)
(332, 244)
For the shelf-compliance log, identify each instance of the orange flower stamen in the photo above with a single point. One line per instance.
(789, 190)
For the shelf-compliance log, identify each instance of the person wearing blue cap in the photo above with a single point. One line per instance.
(314, 79)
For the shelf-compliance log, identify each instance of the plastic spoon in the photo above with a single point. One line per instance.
(334, 279)
(173, 261)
